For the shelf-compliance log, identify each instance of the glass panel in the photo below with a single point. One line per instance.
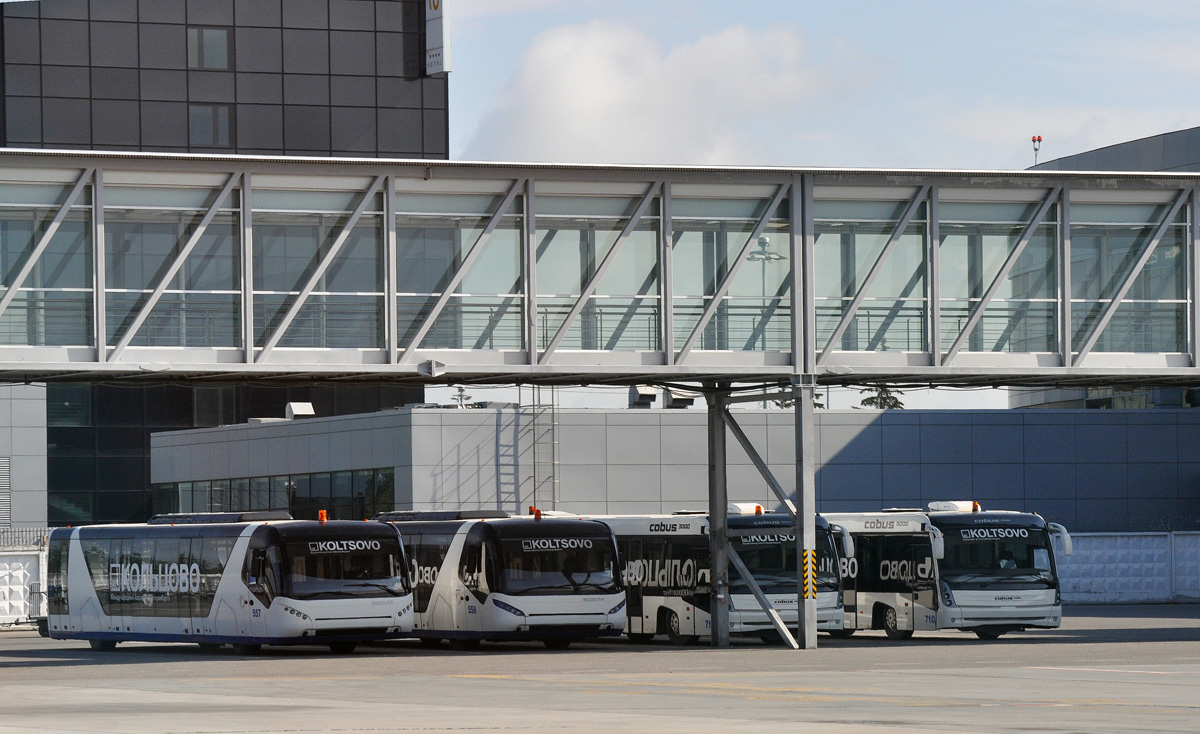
(48, 318)
(623, 312)
(1121, 213)
(1021, 316)
(165, 197)
(891, 316)
(301, 501)
(1151, 318)
(260, 493)
(756, 312)
(312, 201)
(178, 319)
(363, 498)
(342, 485)
(1006, 326)
(864, 210)
(725, 208)
(952, 211)
(320, 493)
(239, 495)
(1135, 327)
(54, 305)
(280, 493)
(323, 322)
(471, 323)
(385, 490)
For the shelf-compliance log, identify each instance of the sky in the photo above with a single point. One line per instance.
(857, 83)
(865, 83)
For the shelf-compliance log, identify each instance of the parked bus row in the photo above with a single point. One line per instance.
(249, 579)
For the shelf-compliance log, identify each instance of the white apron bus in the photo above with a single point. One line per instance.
(668, 578)
(483, 575)
(246, 579)
(954, 567)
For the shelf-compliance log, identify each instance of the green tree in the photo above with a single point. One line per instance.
(880, 397)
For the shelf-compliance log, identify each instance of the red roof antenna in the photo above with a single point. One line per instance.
(1037, 145)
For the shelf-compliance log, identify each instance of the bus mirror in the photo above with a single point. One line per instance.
(938, 541)
(847, 541)
(1061, 532)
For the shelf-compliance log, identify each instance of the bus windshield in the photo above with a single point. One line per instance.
(329, 569)
(771, 558)
(557, 566)
(979, 557)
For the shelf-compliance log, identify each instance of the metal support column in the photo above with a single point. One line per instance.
(804, 392)
(718, 518)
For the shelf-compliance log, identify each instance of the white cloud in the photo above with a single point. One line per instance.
(605, 92)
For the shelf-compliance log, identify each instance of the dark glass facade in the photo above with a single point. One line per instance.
(246, 77)
(98, 442)
(271, 77)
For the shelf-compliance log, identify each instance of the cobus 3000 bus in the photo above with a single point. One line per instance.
(245, 579)
(487, 576)
(667, 572)
(954, 567)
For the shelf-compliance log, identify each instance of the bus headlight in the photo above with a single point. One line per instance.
(508, 608)
(947, 597)
(617, 608)
(294, 613)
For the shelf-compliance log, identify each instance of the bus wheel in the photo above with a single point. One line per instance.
(640, 638)
(987, 634)
(841, 634)
(674, 635)
(103, 645)
(246, 649)
(557, 643)
(464, 644)
(890, 626)
(430, 642)
(342, 648)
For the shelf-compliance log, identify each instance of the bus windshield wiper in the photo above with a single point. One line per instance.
(385, 587)
(328, 592)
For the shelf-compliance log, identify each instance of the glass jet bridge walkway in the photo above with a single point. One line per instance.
(160, 266)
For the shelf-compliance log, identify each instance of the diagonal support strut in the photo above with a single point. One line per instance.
(461, 272)
(319, 273)
(719, 295)
(1132, 276)
(1005, 269)
(594, 281)
(172, 271)
(852, 310)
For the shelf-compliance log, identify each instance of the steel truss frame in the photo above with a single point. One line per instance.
(1053, 194)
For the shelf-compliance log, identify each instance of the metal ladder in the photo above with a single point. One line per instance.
(543, 426)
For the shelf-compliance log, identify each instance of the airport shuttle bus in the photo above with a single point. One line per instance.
(954, 567)
(667, 572)
(246, 579)
(487, 576)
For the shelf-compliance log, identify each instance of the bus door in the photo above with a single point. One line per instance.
(630, 551)
(924, 583)
(261, 578)
(473, 575)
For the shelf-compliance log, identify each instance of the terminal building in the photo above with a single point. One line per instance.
(258, 250)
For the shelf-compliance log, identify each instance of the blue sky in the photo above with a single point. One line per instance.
(869, 83)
